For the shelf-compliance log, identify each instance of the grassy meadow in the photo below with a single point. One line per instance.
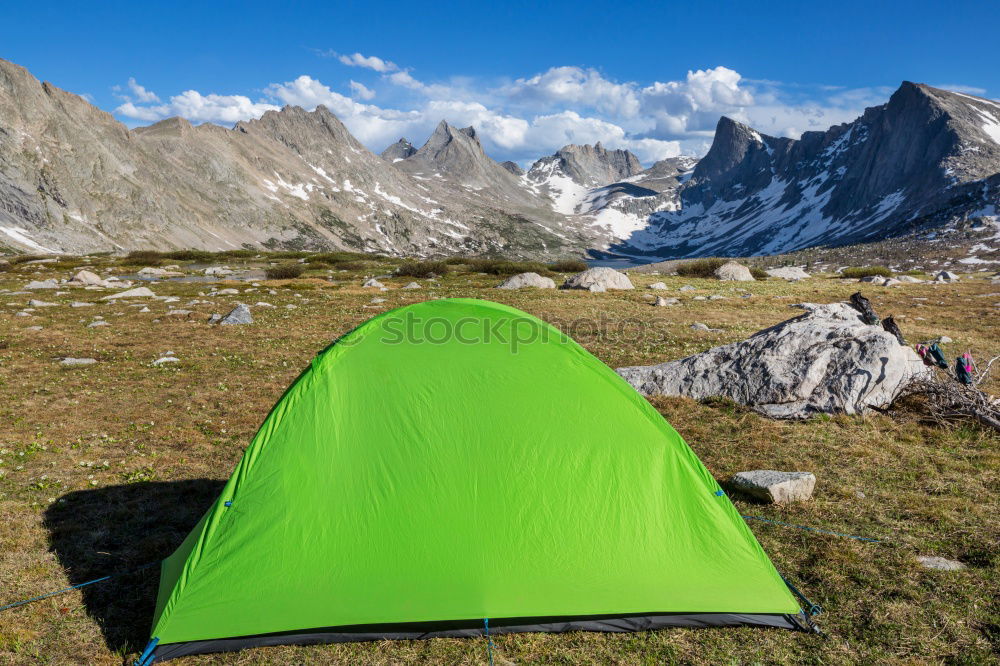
(106, 467)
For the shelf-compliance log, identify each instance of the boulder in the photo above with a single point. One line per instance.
(225, 292)
(734, 272)
(98, 323)
(657, 285)
(88, 279)
(908, 278)
(238, 315)
(787, 273)
(372, 282)
(522, 280)
(42, 284)
(826, 360)
(138, 292)
(412, 285)
(662, 302)
(74, 362)
(602, 276)
(218, 270)
(775, 487)
(946, 276)
(876, 280)
(33, 303)
(939, 563)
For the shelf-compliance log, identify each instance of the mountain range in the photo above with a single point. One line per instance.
(74, 179)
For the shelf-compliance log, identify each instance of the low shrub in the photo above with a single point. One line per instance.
(700, 268)
(568, 266)
(865, 271)
(189, 255)
(422, 269)
(284, 272)
(143, 258)
(758, 273)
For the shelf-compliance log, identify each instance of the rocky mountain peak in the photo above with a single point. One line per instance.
(398, 151)
(590, 166)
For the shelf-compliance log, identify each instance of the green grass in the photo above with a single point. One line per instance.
(132, 455)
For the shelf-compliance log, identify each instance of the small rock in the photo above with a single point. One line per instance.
(909, 278)
(378, 300)
(663, 302)
(687, 287)
(698, 326)
(699, 298)
(72, 362)
(776, 487)
(138, 292)
(412, 285)
(716, 297)
(262, 304)
(372, 282)
(179, 313)
(946, 276)
(166, 359)
(99, 322)
(89, 279)
(238, 315)
(657, 285)
(22, 314)
(225, 292)
(939, 563)
(80, 304)
(33, 328)
(40, 304)
(218, 270)
(733, 271)
(944, 339)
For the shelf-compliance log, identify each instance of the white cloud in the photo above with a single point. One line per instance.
(534, 115)
(361, 91)
(140, 94)
(368, 62)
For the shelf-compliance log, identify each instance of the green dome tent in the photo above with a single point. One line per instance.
(455, 461)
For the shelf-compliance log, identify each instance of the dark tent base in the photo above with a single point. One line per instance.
(475, 628)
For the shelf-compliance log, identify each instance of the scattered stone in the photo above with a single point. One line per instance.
(909, 278)
(775, 487)
(138, 292)
(876, 280)
(522, 280)
(262, 304)
(372, 282)
(290, 306)
(939, 563)
(179, 313)
(716, 297)
(687, 287)
(826, 360)
(378, 300)
(72, 362)
(42, 284)
(166, 359)
(946, 276)
(41, 304)
(225, 292)
(145, 308)
(80, 304)
(602, 276)
(99, 322)
(218, 270)
(22, 314)
(699, 298)
(657, 285)
(698, 326)
(944, 339)
(238, 315)
(733, 271)
(33, 328)
(663, 302)
(150, 270)
(788, 273)
(412, 285)
(88, 279)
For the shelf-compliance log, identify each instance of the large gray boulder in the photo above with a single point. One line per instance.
(238, 315)
(734, 272)
(824, 361)
(522, 280)
(603, 277)
(787, 273)
(138, 292)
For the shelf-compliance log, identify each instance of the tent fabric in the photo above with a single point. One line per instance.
(455, 460)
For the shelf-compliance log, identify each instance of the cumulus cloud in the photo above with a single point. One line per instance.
(368, 62)
(361, 91)
(531, 116)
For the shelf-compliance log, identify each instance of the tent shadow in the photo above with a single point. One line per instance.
(117, 529)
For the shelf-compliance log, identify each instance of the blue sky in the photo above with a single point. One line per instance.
(651, 77)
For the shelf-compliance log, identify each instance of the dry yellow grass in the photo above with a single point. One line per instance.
(108, 466)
